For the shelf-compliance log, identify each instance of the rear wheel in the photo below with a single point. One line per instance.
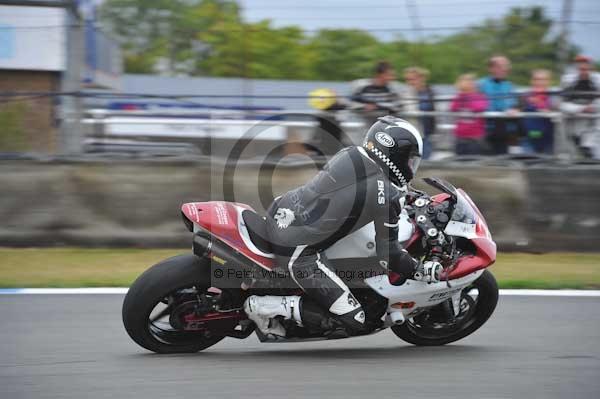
(163, 299)
(436, 327)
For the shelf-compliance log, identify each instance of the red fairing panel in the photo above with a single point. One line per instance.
(485, 256)
(439, 198)
(485, 248)
(222, 219)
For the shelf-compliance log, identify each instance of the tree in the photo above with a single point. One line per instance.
(208, 37)
(155, 32)
(523, 35)
(277, 53)
(343, 54)
(256, 51)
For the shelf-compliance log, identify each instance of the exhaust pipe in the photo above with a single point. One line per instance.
(218, 252)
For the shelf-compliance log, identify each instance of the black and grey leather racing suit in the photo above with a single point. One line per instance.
(350, 192)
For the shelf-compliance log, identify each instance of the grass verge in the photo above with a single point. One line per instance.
(82, 267)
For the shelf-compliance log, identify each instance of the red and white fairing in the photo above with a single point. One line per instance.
(224, 221)
(478, 233)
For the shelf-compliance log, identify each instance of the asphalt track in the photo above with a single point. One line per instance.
(74, 346)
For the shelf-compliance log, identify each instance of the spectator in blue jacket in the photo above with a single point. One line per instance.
(500, 132)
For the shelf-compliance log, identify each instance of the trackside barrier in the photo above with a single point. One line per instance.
(530, 205)
(194, 126)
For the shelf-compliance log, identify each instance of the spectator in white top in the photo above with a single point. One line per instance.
(581, 90)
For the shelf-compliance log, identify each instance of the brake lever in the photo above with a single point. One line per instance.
(417, 191)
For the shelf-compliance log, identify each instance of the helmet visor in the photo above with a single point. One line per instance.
(413, 163)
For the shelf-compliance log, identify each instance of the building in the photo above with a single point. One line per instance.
(48, 47)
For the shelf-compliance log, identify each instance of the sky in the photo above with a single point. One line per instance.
(434, 16)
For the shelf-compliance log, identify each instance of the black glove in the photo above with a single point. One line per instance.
(401, 267)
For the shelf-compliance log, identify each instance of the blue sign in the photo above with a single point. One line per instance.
(7, 41)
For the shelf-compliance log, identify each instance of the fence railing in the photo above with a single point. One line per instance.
(281, 125)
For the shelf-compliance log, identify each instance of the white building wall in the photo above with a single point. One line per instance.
(32, 38)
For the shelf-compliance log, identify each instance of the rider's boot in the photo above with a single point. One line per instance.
(263, 311)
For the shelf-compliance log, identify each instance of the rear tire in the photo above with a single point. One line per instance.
(485, 306)
(152, 287)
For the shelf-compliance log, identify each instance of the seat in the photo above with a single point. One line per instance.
(257, 230)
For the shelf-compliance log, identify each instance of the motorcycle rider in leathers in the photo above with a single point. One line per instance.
(357, 186)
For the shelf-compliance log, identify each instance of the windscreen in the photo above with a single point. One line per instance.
(463, 220)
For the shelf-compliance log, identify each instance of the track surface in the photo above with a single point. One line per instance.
(74, 346)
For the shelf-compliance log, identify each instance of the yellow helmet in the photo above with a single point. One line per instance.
(322, 98)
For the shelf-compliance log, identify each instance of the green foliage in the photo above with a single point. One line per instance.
(165, 35)
(12, 131)
(277, 53)
(255, 50)
(208, 37)
(343, 54)
(523, 36)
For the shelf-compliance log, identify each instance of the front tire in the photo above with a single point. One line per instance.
(151, 288)
(420, 331)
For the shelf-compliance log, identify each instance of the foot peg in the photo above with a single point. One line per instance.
(397, 317)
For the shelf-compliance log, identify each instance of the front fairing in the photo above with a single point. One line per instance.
(464, 218)
(470, 224)
(467, 222)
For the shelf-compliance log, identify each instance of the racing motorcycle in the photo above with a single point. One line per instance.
(190, 302)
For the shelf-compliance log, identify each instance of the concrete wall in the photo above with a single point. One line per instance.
(136, 203)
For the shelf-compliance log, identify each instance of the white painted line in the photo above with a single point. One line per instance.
(60, 291)
(123, 290)
(588, 293)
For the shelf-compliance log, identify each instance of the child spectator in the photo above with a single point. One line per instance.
(539, 132)
(469, 131)
(419, 96)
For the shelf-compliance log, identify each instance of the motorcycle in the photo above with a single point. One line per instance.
(190, 302)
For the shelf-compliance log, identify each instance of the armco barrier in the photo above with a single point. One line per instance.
(542, 207)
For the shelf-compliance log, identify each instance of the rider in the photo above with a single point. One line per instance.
(358, 185)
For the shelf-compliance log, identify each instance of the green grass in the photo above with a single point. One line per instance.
(548, 271)
(81, 267)
(76, 267)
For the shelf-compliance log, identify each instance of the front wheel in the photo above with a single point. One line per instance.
(158, 301)
(435, 327)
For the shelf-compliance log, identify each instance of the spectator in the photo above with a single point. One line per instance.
(328, 138)
(419, 96)
(539, 132)
(377, 96)
(469, 131)
(500, 131)
(581, 90)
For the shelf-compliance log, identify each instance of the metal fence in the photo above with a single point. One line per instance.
(114, 130)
